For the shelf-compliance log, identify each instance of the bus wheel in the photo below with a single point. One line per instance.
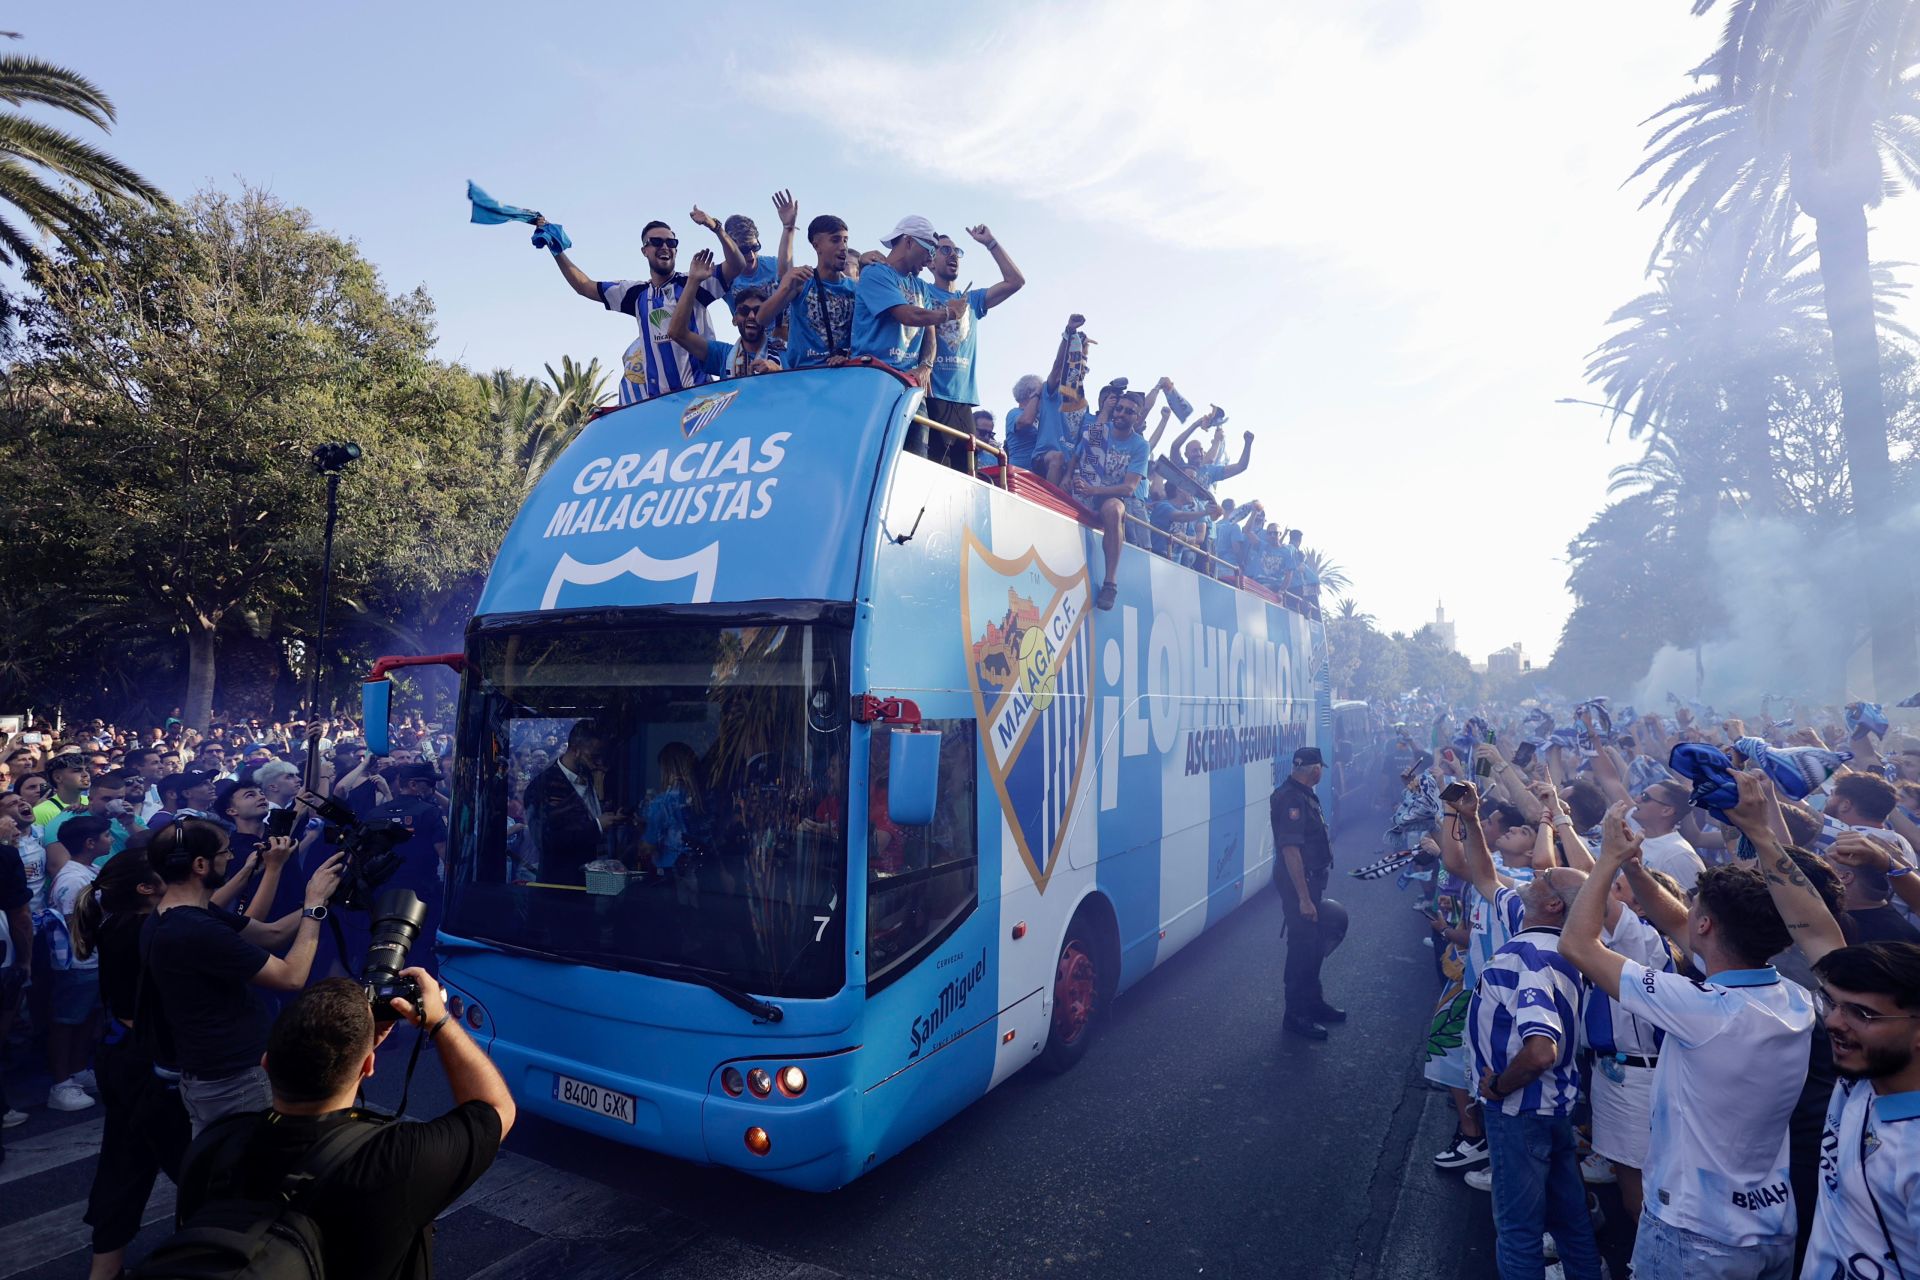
(1076, 1000)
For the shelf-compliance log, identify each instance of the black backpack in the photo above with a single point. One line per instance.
(269, 1237)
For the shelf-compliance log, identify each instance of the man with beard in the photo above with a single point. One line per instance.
(654, 364)
(201, 962)
(953, 391)
(1867, 1221)
(754, 353)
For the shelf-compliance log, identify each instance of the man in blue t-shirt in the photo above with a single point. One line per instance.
(1109, 469)
(754, 353)
(1191, 455)
(1023, 422)
(744, 266)
(1058, 440)
(893, 315)
(817, 301)
(952, 393)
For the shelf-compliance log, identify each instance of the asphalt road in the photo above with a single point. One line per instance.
(1193, 1140)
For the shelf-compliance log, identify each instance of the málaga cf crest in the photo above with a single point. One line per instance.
(1029, 661)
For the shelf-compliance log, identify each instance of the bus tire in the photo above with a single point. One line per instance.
(1079, 997)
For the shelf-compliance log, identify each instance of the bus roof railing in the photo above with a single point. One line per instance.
(975, 445)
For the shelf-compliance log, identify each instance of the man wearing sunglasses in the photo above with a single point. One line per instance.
(654, 365)
(952, 392)
(1867, 1220)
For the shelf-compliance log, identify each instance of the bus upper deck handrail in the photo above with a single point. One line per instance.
(975, 443)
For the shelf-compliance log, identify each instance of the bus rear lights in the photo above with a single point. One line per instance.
(476, 1017)
(457, 1007)
(758, 1142)
(793, 1081)
(733, 1082)
(760, 1082)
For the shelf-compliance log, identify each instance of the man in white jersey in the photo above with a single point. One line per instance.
(1867, 1221)
(1660, 810)
(1718, 1200)
(654, 364)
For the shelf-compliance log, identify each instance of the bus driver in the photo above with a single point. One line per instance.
(566, 822)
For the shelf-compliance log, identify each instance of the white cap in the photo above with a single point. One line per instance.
(916, 226)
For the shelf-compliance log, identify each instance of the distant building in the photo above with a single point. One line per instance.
(1444, 629)
(1508, 662)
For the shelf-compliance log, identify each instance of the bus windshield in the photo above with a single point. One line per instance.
(667, 799)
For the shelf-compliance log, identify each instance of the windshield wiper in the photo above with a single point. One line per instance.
(761, 1009)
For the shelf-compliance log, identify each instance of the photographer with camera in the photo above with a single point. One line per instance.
(377, 1184)
(201, 962)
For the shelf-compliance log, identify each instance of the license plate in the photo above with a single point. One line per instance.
(591, 1097)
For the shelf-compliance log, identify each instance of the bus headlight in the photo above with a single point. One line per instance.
(793, 1081)
(760, 1082)
(733, 1082)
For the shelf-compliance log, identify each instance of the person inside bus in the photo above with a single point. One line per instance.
(1109, 477)
(566, 821)
(756, 352)
(677, 820)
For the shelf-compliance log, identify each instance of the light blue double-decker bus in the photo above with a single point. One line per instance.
(802, 795)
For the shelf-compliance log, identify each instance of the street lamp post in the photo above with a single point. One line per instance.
(330, 460)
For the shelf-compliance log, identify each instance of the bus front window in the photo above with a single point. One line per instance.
(668, 799)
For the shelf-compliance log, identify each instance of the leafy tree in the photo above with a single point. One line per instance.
(1812, 108)
(168, 396)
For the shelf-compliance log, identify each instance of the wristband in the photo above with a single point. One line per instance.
(1897, 870)
(434, 1030)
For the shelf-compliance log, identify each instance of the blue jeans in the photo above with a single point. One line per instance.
(1665, 1252)
(1536, 1188)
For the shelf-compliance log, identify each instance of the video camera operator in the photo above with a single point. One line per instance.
(374, 1206)
(201, 962)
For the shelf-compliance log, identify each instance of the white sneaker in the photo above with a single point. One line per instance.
(13, 1118)
(85, 1080)
(68, 1096)
(1479, 1179)
(1548, 1248)
(1597, 1170)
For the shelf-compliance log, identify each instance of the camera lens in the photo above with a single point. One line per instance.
(398, 916)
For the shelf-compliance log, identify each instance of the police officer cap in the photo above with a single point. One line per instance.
(1306, 756)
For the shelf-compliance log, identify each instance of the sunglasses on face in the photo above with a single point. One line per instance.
(662, 242)
(951, 249)
(1858, 1014)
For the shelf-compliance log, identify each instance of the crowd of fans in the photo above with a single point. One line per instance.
(1693, 938)
(166, 893)
(877, 308)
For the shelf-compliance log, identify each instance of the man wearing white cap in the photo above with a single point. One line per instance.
(891, 314)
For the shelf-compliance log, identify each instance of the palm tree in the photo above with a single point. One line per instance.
(578, 389)
(30, 152)
(1333, 579)
(1812, 107)
(1348, 610)
(1706, 349)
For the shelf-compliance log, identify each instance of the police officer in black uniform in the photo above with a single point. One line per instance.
(1305, 856)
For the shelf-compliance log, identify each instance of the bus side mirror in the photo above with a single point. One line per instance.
(913, 777)
(376, 696)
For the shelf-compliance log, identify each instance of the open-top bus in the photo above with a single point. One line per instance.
(802, 795)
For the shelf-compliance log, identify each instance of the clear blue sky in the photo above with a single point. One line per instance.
(1384, 235)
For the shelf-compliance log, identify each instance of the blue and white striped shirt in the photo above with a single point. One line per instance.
(654, 364)
(1527, 990)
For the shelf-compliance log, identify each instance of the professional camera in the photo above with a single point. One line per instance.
(369, 846)
(398, 916)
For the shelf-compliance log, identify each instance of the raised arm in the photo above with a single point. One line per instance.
(1059, 369)
(680, 329)
(583, 284)
(788, 210)
(1857, 849)
(791, 283)
(1246, 456)
(1815, 931)
(1580, 935)
(1478, 859)
(1011, 280)
(1153, 441)
(1186, 434)
(736, 264)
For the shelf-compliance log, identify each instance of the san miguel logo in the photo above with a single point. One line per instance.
(704, 410)
(1029, 661)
